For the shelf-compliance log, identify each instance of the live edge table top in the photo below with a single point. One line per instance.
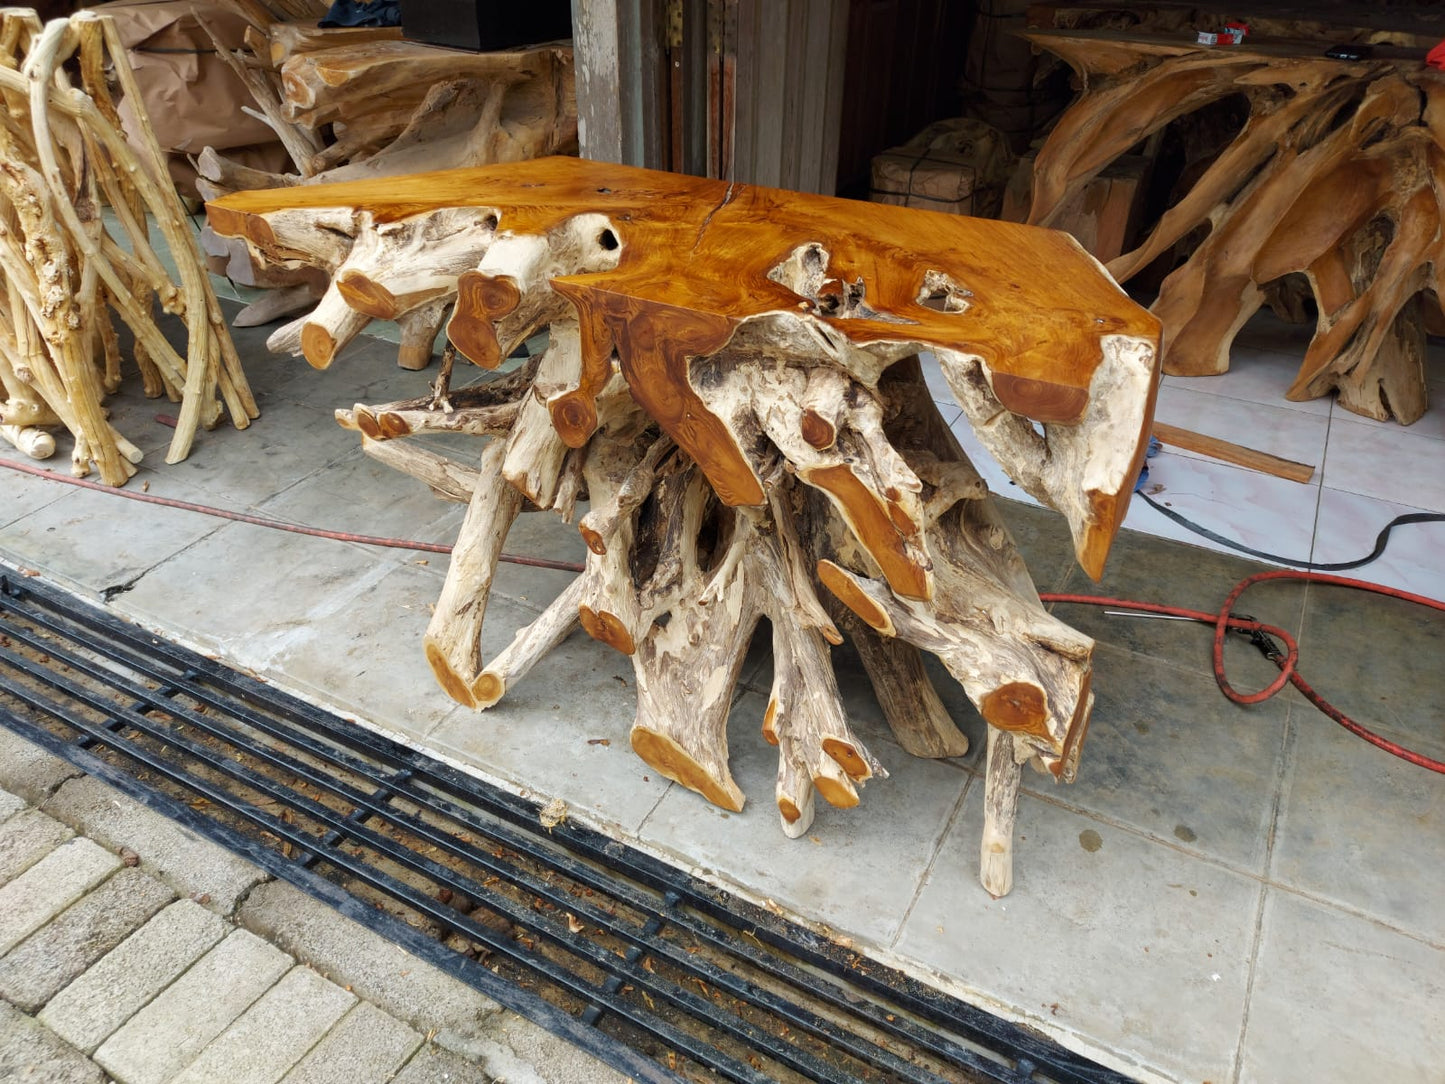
(1037, 305)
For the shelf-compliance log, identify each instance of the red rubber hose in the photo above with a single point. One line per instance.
(277, 524)
(1223, 621)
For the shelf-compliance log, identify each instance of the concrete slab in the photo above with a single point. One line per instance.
(309, 580)
(165, 1036)
(60, 540)
(191, 865)
(40, 966)
(433, 1065)
(856, 870)
(1353, 650)
(273, 1034)
(1136, 952)
(361, 496)
(26, 839)
(87, 1011)
(49, 887)
(25, 494)
(1178, 761)
(288, 442)
(29, 771)
(1362, 828)
(1319, 967)
(370, 662)
(1146, 569)
(30, 1053)
(541, 735)
(366, 373)
(365, 1047)
(374, 968)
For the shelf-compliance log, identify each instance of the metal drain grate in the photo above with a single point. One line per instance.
(655, 972)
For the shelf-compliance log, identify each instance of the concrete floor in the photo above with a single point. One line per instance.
(1226, 894)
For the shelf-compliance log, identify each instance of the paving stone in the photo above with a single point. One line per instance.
(374, 968)
(10, 804)
(31, 1054)
(87, 1011)
(28, 771)
(167, 1034)
(36, 969)
(27, 838)
(520, 1052)
(191, 865)
(366, 1047)
(273, 1034)
(50, 886)
(436, 1066)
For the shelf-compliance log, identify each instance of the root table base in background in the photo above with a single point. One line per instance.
(1338, 175)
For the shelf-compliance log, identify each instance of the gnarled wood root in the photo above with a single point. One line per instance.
(768, 466)
(1338, 174)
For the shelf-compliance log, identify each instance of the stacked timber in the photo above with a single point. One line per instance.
(354, 103)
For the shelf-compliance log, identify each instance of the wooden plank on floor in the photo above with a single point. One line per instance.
(1237, 454)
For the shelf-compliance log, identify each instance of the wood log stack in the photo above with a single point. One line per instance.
(1336, 175)
(732, 384)
(63, 157)
(353, 103)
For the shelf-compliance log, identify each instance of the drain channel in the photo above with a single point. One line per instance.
(655, 972)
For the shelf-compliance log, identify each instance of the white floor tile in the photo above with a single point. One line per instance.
(1292, 434)
(1389, 463)
(1257, 510)
(1256, 376)
(1348, 526)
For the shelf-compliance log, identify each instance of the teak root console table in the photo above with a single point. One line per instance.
(732, 383)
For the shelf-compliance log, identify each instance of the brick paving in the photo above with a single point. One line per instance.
(134, 952)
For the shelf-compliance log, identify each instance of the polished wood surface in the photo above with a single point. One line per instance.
(1037, 307)
(700, 258)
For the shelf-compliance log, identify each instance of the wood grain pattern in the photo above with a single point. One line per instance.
(694, 266)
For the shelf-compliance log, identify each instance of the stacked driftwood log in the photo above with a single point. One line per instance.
(63, 158)
(732, 384)
(1336, 179)
(354, 103)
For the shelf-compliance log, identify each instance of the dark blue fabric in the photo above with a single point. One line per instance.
(363, 13)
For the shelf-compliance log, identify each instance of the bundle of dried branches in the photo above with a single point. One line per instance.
(63, 155)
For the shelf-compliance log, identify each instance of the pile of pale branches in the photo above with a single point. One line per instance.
(67, 272)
